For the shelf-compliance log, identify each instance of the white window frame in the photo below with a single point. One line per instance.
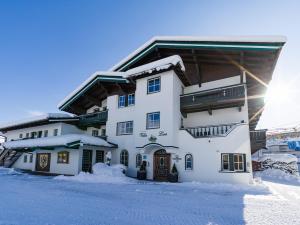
(132, 102)
(122, 99)
(125, 128)
(148, 85)
(228, 162)
(151, 123)
(238, 162)
(124, 157)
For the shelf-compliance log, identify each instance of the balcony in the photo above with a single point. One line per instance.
(258, 140)
(93, 119)
(221, 130)
(230, 96)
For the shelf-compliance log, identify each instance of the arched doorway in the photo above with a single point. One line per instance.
(161, 165)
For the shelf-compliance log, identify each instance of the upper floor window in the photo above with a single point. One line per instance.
(126, 100)
(125, 128)
(55, 132)
(153, 120)
(154, 85)
(45, 133)
(63, 157)
(122, 102)
(95, 133)
(131, 99)
(188, 162)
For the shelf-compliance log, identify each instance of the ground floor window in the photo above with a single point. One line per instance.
(124, 157)
(138, 160)
(233, 162)
(188, 162)
(63, 157)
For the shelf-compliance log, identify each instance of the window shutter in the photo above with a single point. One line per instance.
(245, 162)
(126, 100)
(231, 163)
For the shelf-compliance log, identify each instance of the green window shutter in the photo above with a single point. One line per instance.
(231, 164)
(245, 162)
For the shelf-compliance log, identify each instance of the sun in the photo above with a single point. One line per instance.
(278, 94)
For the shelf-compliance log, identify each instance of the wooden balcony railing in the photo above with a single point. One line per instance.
(221, 130)
(230, 96)
(258, 140)
(94, 119)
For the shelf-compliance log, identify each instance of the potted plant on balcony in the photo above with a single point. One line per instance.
(173, 176)
(142, 173)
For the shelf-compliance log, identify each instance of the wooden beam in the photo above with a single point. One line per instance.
(95, 101)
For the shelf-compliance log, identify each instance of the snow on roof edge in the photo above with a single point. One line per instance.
(254, 38)
(35, 119)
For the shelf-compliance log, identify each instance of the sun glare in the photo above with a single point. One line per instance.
(278, 94)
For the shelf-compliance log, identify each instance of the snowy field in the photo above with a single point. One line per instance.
(28, 199)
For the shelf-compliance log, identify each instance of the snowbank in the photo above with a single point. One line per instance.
(8, 171)
(287, 158)
(102, 173)
(276, 174)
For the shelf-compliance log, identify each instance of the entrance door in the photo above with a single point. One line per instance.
(99, 156)
(87, 157)
(43, 162)
(161, 162)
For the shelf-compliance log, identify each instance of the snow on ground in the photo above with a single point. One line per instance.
(28, 199)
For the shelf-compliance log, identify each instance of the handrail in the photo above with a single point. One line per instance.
(221, 130)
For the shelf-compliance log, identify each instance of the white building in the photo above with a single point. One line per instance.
(192, 102)
(52, 144)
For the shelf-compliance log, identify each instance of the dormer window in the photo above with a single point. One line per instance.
(153, 85)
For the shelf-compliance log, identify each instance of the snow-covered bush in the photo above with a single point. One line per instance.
(284, 162)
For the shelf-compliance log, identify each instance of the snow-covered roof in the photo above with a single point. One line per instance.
(157, 65)
(162, 64)
(68, 140)
(47, 116)
(230, 39)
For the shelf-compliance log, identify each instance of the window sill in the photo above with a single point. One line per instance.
(222, 171)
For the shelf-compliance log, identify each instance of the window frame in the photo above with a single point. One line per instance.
(147, 122)
(124, 157)
(45, 133)
(228, 161)
(186, 160)
(133, 99)
(25, 158)
(55, 132)
(31, 158)
(238, 162)
(138, 160)
(21, 136)
(94, 131)
(153, 79)
(59, 157)
(125, 133)
(119, 105)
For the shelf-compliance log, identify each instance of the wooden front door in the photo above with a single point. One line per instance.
(87, 157)
(99, 156)
(43, 162)
(161, 165)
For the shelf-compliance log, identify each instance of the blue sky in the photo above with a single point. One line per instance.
(47, 48)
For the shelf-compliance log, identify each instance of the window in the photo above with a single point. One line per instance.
(124, 157)
(25, 159)
(122, 102)
(188, 162)
(125, 128)
(55, 132)
(95, 133)
(27, 135)
(233, 162)
(138, 160)
(45, 133)
(31, 158)
(153, 120)
(103, 132)
(63, 157)
(40, 134)
(154, 85)
(225, 162)
(20, 136)
(33, 134)
(238, 162)
(131, 99)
